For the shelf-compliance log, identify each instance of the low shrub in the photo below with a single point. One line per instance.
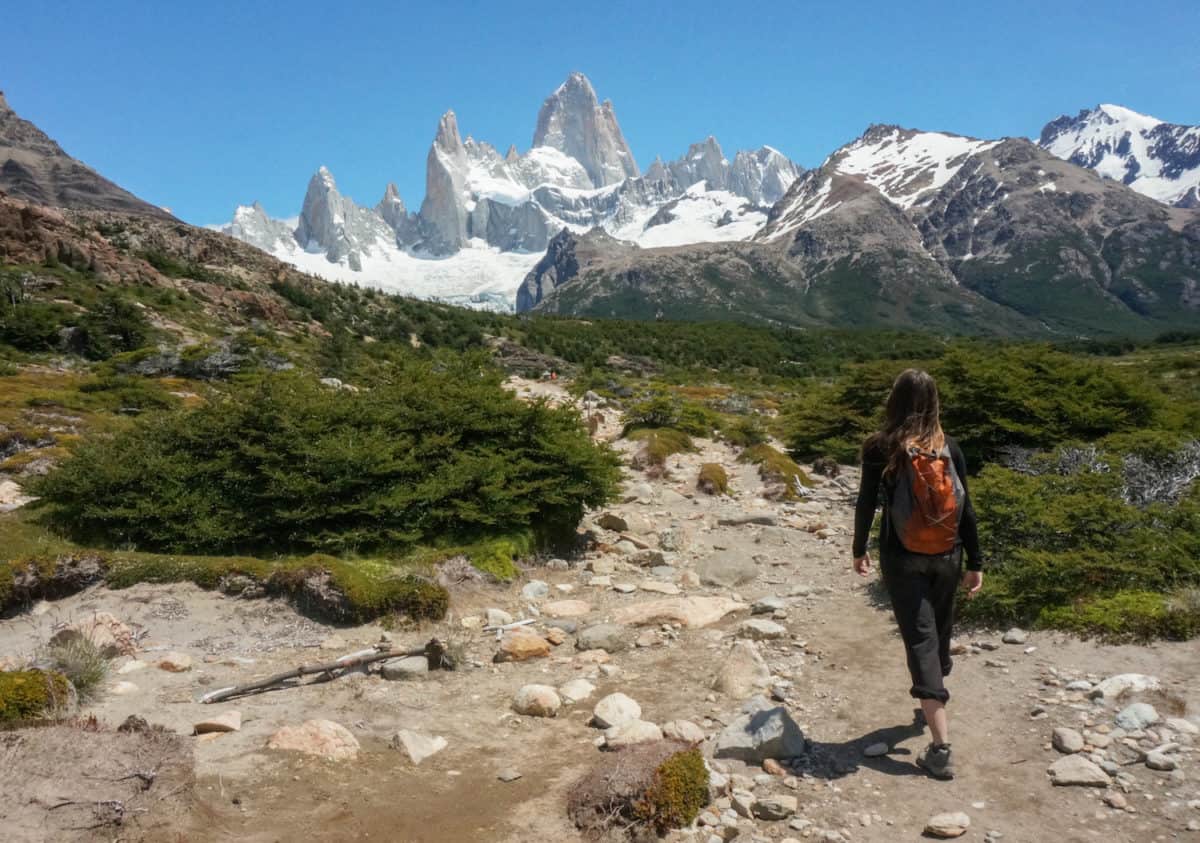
(713, 479)
(745, 432)
(660, 443)
(82, 663)
(677, 793)
(774, 466)
(30, 694)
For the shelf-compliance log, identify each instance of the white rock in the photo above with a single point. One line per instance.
(1133, 683)
(694, 612)
(498, 617)
(1137, 716)
(1067, 740)
(631, 732)
(577, 690)
(614, 710)
(418, 747)
(1077, 770)
(743, 671)
(566, 609)
(758, 629)
(683, 730)
(537, 701)
(535, 590)
(323, 738)
(1013, 636)
(123, 689)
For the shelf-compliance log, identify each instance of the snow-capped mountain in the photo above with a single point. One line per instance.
(486, 218)
(1157, 159)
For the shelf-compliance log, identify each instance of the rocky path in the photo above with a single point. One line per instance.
(694, 608)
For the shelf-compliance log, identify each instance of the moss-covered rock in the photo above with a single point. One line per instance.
(713, 479)
(30, 694)
(776, 467)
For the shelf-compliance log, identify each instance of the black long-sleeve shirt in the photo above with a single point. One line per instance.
(874, 461)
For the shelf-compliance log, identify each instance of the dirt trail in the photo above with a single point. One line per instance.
(842, 657)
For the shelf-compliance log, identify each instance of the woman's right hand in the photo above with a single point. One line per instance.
(862, 565)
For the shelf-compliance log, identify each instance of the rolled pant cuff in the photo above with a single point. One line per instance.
(941, 695)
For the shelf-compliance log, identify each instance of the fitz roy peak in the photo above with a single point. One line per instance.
(487, 218)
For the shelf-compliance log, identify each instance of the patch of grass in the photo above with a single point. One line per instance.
(713, 479)
(676, 794)
(29, 694)
(774, 466)
(82, 663)
(1128, 615)
(660, 443)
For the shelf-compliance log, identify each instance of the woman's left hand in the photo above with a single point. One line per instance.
(972, 582)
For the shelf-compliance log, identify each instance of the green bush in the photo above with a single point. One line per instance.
(660, 443)
(30, 694)
(713, 479)
(745, 431)
(112, 325)
(774, 466)
(676, 794)
(440, 454)
(32, 325)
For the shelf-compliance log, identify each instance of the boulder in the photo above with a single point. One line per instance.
(1138, 716)
(411, 667)
(614, 710)
(683, 730)
(226, 721)
(498, 617)
(537, 701)
(609, 637)
(1159, 760)
(1013, 636)
(1124, 683)
(758, 629)
(760, 734)
(1067, 740)
(535, 590)
(521, 645)
(111, 637)
(1075, 770)
(577, 690)
(612, 521)
(743, 672)
(726, 569)
(691, 612)
(630, 733)
(948, 825)
(416, 746)
(322, 738)
(775, 807)
(566, 609)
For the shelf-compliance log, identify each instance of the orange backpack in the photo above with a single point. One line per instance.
(926, 502)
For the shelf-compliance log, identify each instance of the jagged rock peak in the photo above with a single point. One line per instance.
(447, 136)
(4, 103)
(572, 121)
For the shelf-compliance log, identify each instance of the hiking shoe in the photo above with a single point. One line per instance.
(937, 762)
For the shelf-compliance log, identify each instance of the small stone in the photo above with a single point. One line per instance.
(631, 732)
(521, 645)
(535, 590)
(1116, 799)
(1159, 760)
(774, 768)
(1115, 686)
(131, 666)
(123, 689)
(577, 690)
(1075, 770)
(948, 825)
(758, 629)
(416, 746)
(226, 721)
(743, 671)
(612, 521)
(555, 636)
(537, 701)
(498, 617)
(1137, 716)
(624, 588)
(659, 587)
(1184, 727)
(323, 738)
(508, 774)
(175, 662)
(614, 710)
(601, 582)
(768, 605)
(1067, 740)
(683, 730)
(876, 750)
(602, 636)
(743, 802)
(411, 667)
(648, 638)
(566, 609)
(1015, 636)
(775, 807)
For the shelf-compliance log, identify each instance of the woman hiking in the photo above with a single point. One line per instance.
(928, 523)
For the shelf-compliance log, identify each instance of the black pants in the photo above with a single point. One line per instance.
(922, 589)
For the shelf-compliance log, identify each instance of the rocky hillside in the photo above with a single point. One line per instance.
(34, 167)
(1158, 159)
(921, 229)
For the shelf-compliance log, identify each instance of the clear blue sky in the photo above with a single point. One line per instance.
(202, 106)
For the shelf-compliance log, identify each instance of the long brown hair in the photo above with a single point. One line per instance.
(913, 416)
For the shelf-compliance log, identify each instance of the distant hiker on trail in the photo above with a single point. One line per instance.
(928, 522)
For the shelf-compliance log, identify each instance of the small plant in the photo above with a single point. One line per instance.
(658, 444)
(677, 793)
(776, 467)
(745, 432)
(713, 479)
(29, 694)
(81, 661)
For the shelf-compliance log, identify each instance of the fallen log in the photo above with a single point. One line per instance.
(434, 651)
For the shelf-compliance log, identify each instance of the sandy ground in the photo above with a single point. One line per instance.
(843, 658)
